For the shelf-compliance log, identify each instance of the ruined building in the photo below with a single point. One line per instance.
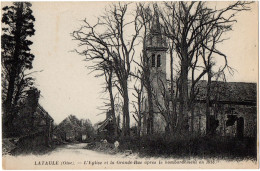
(233, 106)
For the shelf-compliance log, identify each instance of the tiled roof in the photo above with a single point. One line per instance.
(238, 92)
(228, 91)
(44, 112)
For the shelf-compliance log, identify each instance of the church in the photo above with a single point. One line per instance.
(234, 110)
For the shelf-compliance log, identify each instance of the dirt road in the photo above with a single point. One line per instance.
(74, 156)
(66, 157)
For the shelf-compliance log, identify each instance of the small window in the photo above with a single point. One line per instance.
(153, 60)
(151, 41)
(158, 60)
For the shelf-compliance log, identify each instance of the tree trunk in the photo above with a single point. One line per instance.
(192, 105)
(183, 111)
(208, 104)
(172, 108)
(192, 118)
(13, 74)
(126, 110)
(126, 113)
(147, 84)
(123, 126)
(139, 127)
(139, 110)
(112, 104)
(150, 109)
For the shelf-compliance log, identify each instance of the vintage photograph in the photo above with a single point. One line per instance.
(129, 85)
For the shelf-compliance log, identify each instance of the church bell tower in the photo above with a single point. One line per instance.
(156, 52)
(156, 49)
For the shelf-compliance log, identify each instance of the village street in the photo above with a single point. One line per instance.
(73, 156)
(72, 151)
(68, 156)
(77, 151)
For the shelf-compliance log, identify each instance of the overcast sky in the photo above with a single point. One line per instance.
(65, 83)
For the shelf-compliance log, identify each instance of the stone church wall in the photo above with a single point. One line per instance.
(248, 113)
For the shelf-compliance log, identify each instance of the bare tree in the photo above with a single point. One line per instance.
(183, 22)
(145, 16)
(108, 41)
(108, 75)
(138, 107)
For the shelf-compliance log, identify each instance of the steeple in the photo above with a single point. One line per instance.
(155, 39)
(156, 46)
(156, 26)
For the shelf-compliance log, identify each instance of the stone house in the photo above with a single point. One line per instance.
(106, 127)
(44, 123)
(34, 122)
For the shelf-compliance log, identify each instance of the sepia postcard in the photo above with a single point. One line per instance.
(129, 85)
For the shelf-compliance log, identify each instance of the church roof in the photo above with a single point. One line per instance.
(228, 92)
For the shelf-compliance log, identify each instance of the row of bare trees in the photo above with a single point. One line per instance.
(195, 30)
(116, 46)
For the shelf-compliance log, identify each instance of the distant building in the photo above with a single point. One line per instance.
(106, 129)
(70, 129)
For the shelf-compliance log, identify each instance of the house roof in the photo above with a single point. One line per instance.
(44, 112)
(103, 124)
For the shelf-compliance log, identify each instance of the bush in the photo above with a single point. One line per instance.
(220, 147)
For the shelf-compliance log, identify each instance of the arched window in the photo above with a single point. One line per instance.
(158, 60)
(153, 60)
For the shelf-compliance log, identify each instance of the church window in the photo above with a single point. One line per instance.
(151, 41)
(153, 60)
(158, 60)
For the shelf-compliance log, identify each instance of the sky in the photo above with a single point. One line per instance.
(66, 85)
